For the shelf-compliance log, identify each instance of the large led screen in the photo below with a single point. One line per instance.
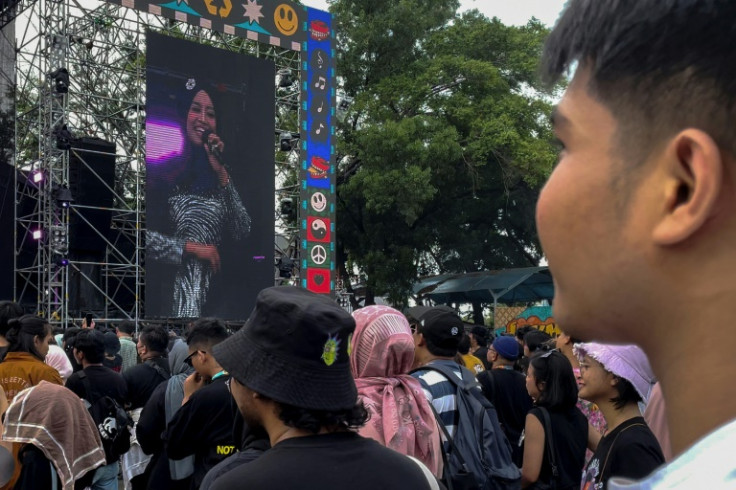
(209, 180)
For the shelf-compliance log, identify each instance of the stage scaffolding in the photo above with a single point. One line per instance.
(102, 47)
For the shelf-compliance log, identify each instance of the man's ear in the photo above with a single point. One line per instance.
(693, 165)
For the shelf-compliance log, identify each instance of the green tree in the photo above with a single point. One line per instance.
(444, 150)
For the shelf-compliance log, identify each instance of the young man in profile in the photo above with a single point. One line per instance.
(638, 218)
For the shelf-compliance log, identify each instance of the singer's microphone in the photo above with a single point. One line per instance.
(213, 149)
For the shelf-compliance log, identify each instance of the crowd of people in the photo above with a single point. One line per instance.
(308, 387)
(635, 221)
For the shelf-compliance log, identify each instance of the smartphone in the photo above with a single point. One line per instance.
(88, 320)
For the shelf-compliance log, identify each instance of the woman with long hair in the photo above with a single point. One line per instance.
(556, 432)
(400, 416)
(564, 343)
(23, 366)
(202, 206)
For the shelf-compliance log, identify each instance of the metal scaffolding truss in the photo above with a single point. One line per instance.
(102, 48)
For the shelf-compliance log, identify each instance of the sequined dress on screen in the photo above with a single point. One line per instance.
(200, 214)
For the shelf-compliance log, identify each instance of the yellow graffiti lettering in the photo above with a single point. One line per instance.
(225, 450)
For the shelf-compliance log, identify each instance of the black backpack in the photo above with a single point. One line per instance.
(112, 421)
(480, 455)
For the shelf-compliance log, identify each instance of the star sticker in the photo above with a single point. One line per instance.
(253, 11)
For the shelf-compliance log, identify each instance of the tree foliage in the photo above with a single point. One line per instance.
(446, 145)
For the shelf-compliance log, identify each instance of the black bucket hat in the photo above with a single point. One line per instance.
(294, 349)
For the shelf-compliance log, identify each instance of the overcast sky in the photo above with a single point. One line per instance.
(513, 12)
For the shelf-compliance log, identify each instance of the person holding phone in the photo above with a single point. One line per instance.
(88, 322)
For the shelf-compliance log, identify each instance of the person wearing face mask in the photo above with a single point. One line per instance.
(202, 208)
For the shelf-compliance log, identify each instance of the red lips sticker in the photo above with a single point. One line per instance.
(318, 168)
(318, 30)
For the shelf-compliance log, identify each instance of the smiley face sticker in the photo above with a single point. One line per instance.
(318, 201)
(285, 19)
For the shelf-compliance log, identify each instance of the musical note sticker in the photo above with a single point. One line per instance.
(320, 130)
(319, 105)
(318, 60)
(319, 82)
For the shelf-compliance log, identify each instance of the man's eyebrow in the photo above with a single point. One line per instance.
(558, 119)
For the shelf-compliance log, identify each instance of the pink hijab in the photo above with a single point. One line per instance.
(382, 355)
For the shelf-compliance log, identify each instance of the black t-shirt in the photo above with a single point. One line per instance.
(630, 451)
(143, 378)
(506, 390)
(570, 436)
(149, 429)
(335, 461)
(203, 426)
(102, 382)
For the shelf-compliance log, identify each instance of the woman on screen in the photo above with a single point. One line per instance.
(202, 206)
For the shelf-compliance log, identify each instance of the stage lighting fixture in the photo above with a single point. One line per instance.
(37, 234)
(58, 239)
(61, 260)
(61, 80)
(64, 137)
(285, 141)
(285, 78)
(287, 207)
(286, 266)
(64, 197)
(37, 176)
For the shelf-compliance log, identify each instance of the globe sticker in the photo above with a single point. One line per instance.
(454, 331)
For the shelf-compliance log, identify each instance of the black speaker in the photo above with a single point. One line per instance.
(7, 240)
(91, 180)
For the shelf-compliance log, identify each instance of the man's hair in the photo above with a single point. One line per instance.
(127, 328)
(434, 349)
(314, 420)
(553, 369)
(207, 332)
(522, 331)
(463, 347)
(536, 338)
(481, 334)
(91, 343)
(659, 66)
(155, 338)
(626, 394)
(8, 311)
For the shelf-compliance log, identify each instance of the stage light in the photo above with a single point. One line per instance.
(286, 266)
(64, 137)
(285, 141)
(37, 176)
(285, 78)
(287, 208)
(64, 197)
(37, 234)
(61, 260)
(58, 239)
(61, 80)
